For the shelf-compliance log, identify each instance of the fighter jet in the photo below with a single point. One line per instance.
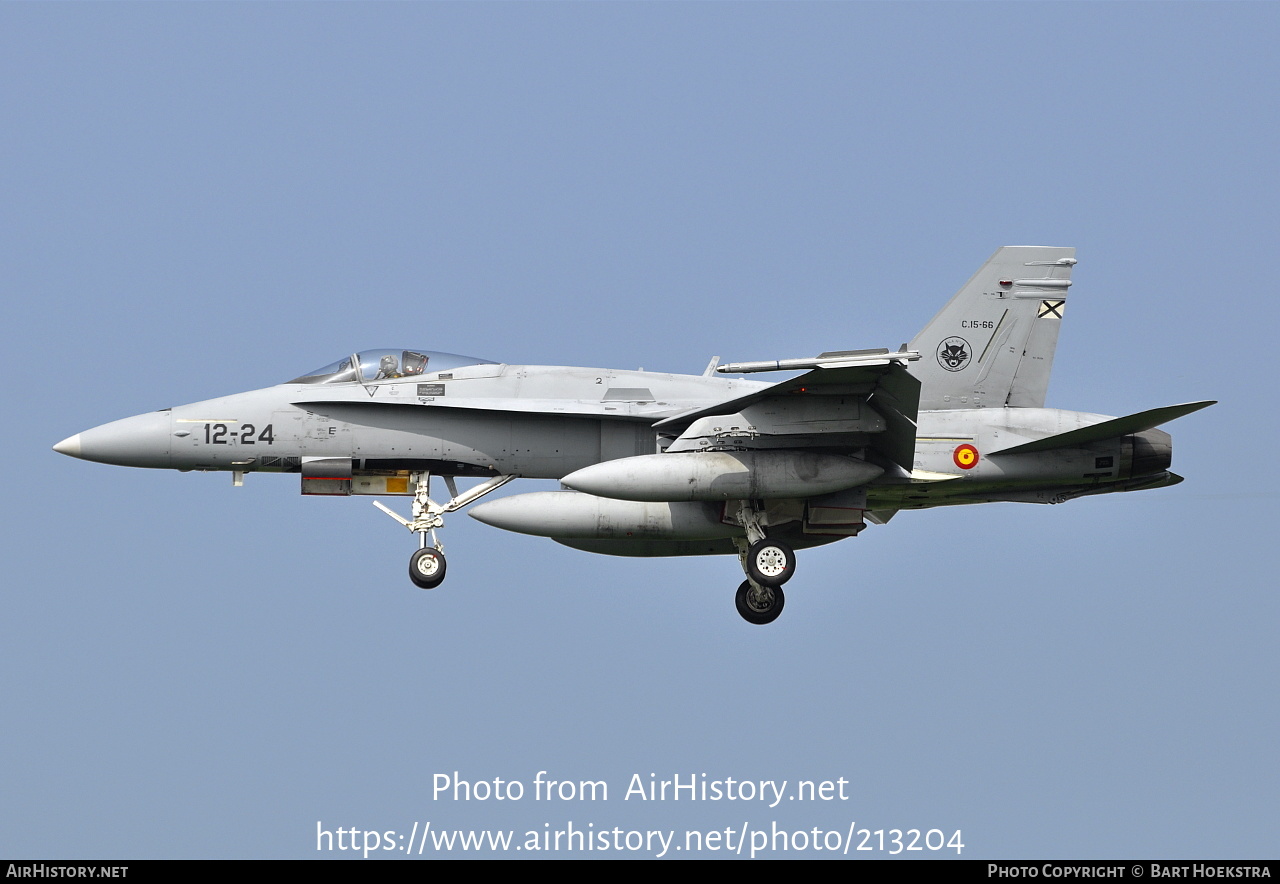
(654, 464)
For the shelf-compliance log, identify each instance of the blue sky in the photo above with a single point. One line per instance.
(200, 200)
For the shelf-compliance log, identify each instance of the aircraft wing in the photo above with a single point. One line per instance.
(842, 406)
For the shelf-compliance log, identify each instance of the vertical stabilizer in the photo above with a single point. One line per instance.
(993, 344)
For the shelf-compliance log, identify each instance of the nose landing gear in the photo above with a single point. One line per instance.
(427, 565)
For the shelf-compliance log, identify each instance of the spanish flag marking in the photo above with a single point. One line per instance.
(965, 457)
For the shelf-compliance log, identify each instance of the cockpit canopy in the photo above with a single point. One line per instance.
(369, 366)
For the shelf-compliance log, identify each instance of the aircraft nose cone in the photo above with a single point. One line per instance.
(69, 446)
(140, 441)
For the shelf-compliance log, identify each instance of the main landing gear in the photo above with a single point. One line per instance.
(768, 564)
(427, 565)
(759, 604)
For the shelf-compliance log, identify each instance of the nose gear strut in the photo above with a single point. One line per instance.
(427, 565)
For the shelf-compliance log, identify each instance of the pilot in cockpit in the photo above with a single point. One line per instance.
(388, 367)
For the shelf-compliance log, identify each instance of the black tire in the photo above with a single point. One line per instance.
(754, 613)
(426, 568)
(770, 563)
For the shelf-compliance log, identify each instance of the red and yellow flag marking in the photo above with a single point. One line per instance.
(965, 457)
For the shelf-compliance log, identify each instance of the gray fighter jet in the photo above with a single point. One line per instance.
(656, 464)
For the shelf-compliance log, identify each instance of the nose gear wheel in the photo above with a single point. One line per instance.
(426, 568)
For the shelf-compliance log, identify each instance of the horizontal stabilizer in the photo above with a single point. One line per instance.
(1119, 426)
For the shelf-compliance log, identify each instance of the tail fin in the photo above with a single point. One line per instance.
(993, 344)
